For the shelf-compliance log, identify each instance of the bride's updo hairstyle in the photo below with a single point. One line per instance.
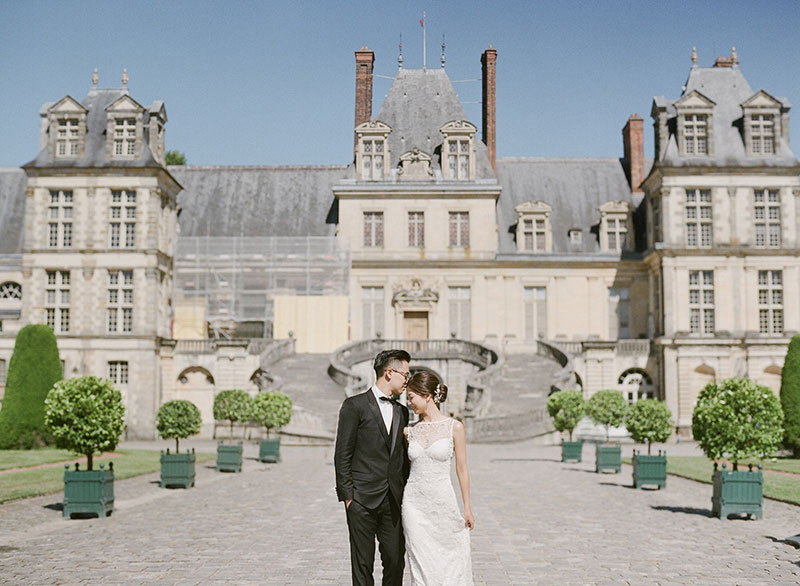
(427, 384)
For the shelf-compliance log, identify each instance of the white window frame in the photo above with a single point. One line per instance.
(702, 319)
(416, 229)
(122, 219)
(459, 301)
(68, 138)
(120, 302)
(58, 300)
(457, 157)
(767, 218)
(60, 216)
(699, 216)
(458, 227)
(374, 229)
(125, 131)
(372, 312)
(770, 302)
(762, 133)
(119, 372)
(534, 313)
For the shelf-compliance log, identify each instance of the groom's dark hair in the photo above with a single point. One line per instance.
(387, 359)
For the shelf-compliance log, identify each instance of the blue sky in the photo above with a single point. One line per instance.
(272, 83)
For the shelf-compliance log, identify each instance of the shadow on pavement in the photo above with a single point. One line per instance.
(54, 507)
(684, 510)
(616, 484)
(524, 460)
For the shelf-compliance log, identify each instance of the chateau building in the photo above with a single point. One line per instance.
(655, 276)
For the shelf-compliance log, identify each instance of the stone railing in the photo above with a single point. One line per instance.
(564, 378)
(515, 426)
(196, 346)
(271, 351)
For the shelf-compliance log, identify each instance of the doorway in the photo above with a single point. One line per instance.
(415, 325)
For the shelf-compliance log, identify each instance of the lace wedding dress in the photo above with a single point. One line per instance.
(436, 539)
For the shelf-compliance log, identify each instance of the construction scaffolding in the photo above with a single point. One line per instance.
(230, 284)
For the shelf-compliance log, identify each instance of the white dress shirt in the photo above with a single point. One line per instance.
(387, 409)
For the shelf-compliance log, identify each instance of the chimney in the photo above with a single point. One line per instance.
(633, 148)
(489, 63)
(364, 61)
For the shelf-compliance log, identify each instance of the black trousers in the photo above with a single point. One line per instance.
(365, 525)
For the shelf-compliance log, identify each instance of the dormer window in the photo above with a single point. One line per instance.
(695, 124)
(66, 128)
(763, 116)
(695, 134)
(576, 237)
(534, 233)
(458, 158)
(762, 134)
(124, 137)
(372, 155)
(68, 139)
(125, 129)
(615, 225)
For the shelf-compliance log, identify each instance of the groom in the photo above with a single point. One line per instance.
(372, 468)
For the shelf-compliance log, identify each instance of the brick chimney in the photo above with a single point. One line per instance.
(489, 64)
(365, 58)
(633, 148)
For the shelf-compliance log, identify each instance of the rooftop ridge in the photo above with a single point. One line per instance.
(558, 159)
(255, 167)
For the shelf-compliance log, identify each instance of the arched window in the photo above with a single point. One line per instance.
(636, 384)
(10, 290)
(198, 372)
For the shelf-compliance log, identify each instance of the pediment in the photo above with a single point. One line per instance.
(415, 165)
(125, 104)
(416, 293)
(533, 207)
(761, 99)
(695, 99)
(458, 127)
(612, 207)
(67, 104)
(373, 127)
(157, 109)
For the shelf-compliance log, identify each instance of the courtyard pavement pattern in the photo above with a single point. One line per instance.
(538, 521)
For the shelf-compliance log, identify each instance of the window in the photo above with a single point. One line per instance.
(124, 137)
(535, 312)
(768, 218)
(372, 154)
(60, 213)
(57, 300)
(698, 218)
(68, 138)
(619, 313)
(459, 229)
(576, 237)
(118, 372)
(534, 231)
(458, 158)
(459, 300)
(456, 151)
(701, 302)
(416, 229)
(695, 134)
(372, 312)
(616, 233)
(122, 217)
(120, 301)
(655, 206)
(762, 134)
(373, 229)
(2, 371)
(10, 290)
(770, 302)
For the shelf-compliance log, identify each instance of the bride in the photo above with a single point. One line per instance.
(437, 535)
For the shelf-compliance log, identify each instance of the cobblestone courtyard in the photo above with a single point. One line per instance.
(538, 522)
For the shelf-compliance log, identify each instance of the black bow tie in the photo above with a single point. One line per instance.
(392, 400)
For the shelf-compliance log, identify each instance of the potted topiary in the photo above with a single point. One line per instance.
(271, 409)
(566, 408)
(86, 415)
(232, 405)
(607, 408)
(648, 421)
(737, 419)
(178, 420)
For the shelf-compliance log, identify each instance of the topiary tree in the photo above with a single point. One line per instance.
(232, 405)
(85, 415)
(737, 418)
(178, 419)
(566, 408)
(648, 421)
(272, 409)
(33, 370)
(175, 158)
(790, 396)
(607, 408)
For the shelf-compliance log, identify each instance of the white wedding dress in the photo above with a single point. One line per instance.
(436, 539)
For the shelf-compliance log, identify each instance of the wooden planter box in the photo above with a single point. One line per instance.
(571, 451)
(89, 491)
(270, 450)
(737, 492)
(229, 458)
(608, 457)
(177, 469)
(650, 470)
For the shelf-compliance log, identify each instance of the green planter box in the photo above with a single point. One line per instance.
(89, 491)
(229, 458)
(737, 492)
(649, 470)
(177, 469)
(270, 450)
(608, 457)
(571, 451)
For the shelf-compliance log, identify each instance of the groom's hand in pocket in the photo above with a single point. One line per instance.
(347, 504)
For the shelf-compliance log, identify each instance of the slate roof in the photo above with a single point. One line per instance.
(257, 201)
(12, 209)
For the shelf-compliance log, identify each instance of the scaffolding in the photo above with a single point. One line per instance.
(233, 281)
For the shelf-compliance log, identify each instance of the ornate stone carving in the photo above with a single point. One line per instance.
(415, 294)
(415, 165)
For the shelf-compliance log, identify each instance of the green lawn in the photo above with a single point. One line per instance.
(24, 458)
(27, 483)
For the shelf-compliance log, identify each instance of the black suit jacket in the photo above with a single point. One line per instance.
(370, 462)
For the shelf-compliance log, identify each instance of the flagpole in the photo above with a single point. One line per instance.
(424, 60)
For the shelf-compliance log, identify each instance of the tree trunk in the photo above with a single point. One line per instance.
(89, 460)
(177, 449)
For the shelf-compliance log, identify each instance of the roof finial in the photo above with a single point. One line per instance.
(734, 56)
(694, 55)
(124, 77)
(400, 53)
(444, 57)
(95, 78)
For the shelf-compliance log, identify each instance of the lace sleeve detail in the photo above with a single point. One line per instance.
(426, 434)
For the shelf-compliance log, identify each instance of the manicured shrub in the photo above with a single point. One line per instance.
(648, 421)
(178, 419)
(566, 408)
(790, 396)
(33, 370)
(607, 408)
(737, 419)
(272, 409)
(85, 415)
(233, 405)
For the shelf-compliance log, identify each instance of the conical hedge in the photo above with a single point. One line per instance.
(33, 370)
(790, 396)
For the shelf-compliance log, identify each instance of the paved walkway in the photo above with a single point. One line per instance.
(538, 522)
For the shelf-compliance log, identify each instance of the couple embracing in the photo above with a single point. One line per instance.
(394, 480)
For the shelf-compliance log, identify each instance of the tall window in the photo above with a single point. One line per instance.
(68, 139)
(118, 372)
(535, 312)
(125, 137)
(619, 313)
(701, 302)
(655, 205)
(416, 229)
(59, 227)
(372, 312)
(770, 302)
(459, 229)
(534, 233)
(123, 217)
(120, 301)
(2, 371)
(768, 218)
(459, 301)
(762, 134)
(57, 300)
(698, 218)
(695, 134)
(372, 153)
(373, 229)
(458, 158)
(617, 233)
